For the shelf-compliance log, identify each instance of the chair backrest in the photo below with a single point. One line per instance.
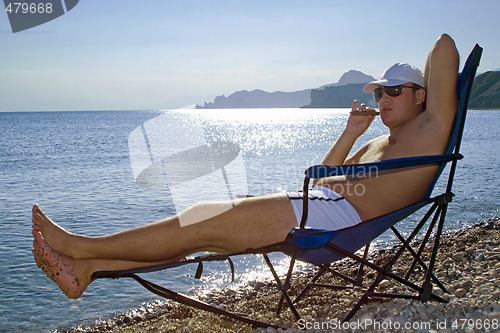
(464, 86)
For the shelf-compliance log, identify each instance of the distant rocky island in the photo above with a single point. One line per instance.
(296, 99)
(260, 99)
(485, 94)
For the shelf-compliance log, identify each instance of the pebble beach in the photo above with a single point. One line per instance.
(468, 265)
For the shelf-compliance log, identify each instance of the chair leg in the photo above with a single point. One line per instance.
(360, 273)
(427, 287)
(417, 256)
(417, 259)
(322, 270)
(287, 281)
(426, 292)
(364, 298)
(357, 281)
(283, 287)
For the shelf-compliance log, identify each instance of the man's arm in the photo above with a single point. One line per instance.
(441, 71)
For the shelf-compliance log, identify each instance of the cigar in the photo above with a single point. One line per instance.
(365, 113)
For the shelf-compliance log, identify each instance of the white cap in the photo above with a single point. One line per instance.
(396, 75)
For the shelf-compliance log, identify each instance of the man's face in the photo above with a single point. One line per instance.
(397, 105)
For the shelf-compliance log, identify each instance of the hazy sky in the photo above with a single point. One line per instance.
(159, 54)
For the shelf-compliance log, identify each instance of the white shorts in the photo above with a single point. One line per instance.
(327, 210)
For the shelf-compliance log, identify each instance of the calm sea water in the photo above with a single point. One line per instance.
(78, 166)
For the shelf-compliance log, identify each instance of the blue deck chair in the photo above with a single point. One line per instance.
(323, 247)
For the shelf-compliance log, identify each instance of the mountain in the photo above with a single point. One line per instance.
(261, 99)
(341, 94)
(350, 77)
(485, 93)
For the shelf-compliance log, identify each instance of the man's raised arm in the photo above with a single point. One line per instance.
(441, 71)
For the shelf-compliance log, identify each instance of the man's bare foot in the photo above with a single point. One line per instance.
(58, 267)
(55, 236)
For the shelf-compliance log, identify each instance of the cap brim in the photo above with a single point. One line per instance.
(371, 86)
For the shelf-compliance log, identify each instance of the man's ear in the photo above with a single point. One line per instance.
(420, 94)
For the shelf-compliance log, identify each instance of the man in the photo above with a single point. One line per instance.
(418, 111)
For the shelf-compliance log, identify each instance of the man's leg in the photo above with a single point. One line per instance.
(69, 259)
(251, 223)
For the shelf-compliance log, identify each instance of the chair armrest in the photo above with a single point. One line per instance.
(365, 169)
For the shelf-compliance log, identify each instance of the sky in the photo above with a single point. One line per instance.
(165, 54)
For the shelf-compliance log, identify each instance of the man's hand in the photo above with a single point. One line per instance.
(360, 119)
(358, 122)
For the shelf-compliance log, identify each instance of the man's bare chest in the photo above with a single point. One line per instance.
(387, 147)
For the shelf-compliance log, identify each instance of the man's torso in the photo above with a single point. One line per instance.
(384, 192)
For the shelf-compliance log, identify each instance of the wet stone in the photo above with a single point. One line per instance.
(460, 292)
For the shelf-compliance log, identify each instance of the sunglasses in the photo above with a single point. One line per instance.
(392, 91)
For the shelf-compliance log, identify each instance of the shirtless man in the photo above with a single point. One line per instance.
(419, 116)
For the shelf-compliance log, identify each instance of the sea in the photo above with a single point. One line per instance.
(99, 172)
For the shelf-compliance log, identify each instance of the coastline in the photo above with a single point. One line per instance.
(468, 264)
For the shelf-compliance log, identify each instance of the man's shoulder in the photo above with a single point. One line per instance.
(377, 144)
(378, 139)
